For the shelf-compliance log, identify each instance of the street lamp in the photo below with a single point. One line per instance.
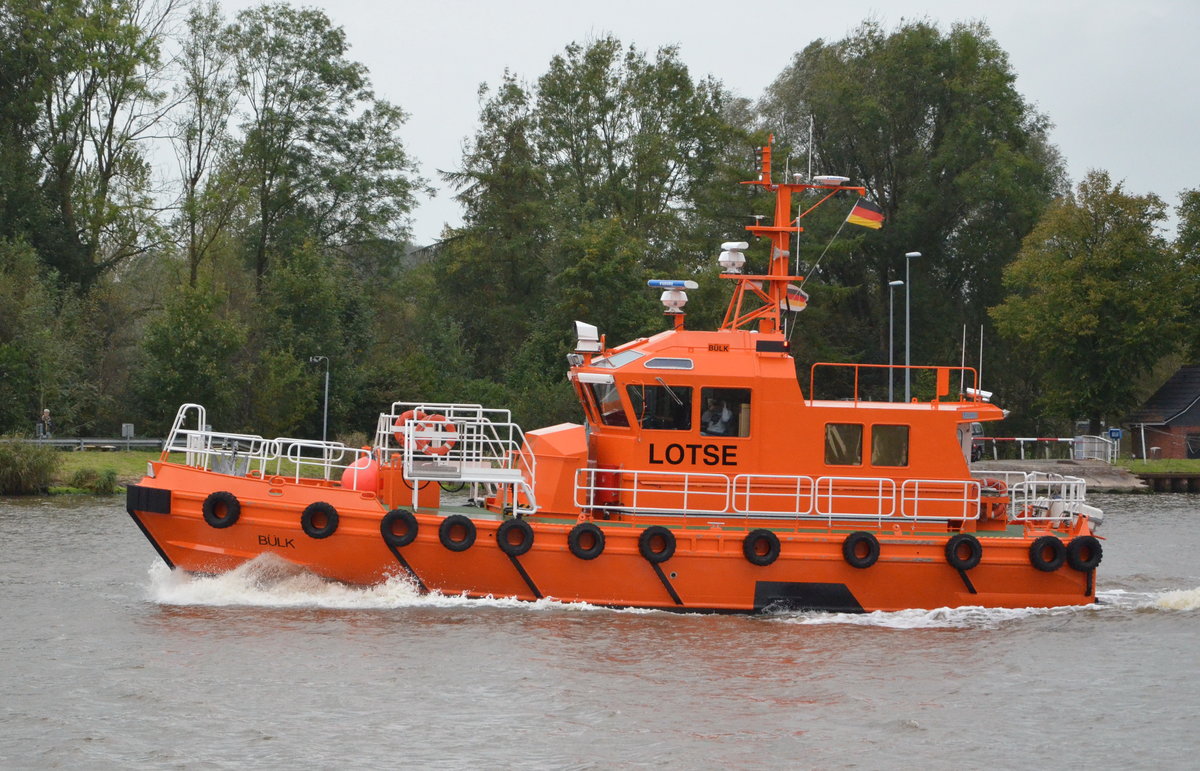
(892, 333)
(325, 421)
(908, 258)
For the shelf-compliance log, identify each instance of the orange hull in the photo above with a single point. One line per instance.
(708, 571)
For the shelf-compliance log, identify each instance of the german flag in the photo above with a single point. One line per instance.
(866, 214)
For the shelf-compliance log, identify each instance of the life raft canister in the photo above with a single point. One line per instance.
(319, 520)
(1047, 553)
(860, 549)
(761, 547)
(963, 551)
(221, 509)
(657, 544)
(586, 541)
(505, 533)
(457, 532)
(399, 528)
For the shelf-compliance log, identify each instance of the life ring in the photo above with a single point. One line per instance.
(955, 546)
(581, 534)
(314, 515)
(503, 537)
(853, 549)
(398, 425)
(1084, 553)
(998, 485)
(408, 528)
(648, 540)
(438, 445)
(448, 536)
(761, 547)
(218, 501)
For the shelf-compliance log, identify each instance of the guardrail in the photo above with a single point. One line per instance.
(468, 443)
(95, 442)
(779, 496)
(1087, 447)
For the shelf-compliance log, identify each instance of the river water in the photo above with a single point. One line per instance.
(108, 660)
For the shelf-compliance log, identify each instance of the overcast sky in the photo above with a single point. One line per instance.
(1119, 80)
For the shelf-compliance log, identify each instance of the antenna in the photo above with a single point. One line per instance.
(980, 383)
(810, 145)
(962, 364)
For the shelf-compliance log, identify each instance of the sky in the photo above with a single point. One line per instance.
(1119, 80)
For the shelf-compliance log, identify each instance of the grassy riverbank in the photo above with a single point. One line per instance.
(1161, 466)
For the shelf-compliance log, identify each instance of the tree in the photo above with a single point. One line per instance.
(932, 125)
(321, 154)
(188, 355)
(205, 103)
(1095, 299)
(99, 64)
(607, 162)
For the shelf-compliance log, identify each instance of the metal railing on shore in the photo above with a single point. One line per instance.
(1076, 447)
(96, 443)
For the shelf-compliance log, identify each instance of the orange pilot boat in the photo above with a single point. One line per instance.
(703, 479)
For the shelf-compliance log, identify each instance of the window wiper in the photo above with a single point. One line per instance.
(669, 391)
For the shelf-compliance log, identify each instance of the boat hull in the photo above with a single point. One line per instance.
(709, 569)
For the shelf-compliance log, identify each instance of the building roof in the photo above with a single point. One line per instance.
(1176, 396)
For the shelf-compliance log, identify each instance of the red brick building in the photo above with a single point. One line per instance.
(1168, 424)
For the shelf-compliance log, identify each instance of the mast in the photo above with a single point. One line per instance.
(772, 288)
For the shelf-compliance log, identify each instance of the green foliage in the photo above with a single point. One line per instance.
(321, 153)
(95, 481)
(1095, 299)
(25, 468)
(188, 355)
(932, 125)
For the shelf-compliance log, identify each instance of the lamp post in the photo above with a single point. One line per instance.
(892, 334)
(908, 258)
(325, 420)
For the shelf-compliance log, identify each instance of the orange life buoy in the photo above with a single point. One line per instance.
(437, 445)
(398, 426)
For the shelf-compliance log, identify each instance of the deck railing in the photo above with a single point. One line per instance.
(253, 455)
(777, 496)
(465, 443)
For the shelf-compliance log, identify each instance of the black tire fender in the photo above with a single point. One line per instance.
(955, 546)
(387, 526)
(446, 532)
(313, 513)
(646, 544)
(754, 540)
(218, 501)
(1084, 553)
(581, 531)
(507, 546)
(1047, 553)
(851, 548)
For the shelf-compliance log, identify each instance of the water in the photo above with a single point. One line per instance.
(108, 660)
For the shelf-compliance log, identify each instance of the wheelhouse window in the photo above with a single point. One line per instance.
(725, 411)
(662, 406)
(843, 444)
(608, 402)
(889, 445)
